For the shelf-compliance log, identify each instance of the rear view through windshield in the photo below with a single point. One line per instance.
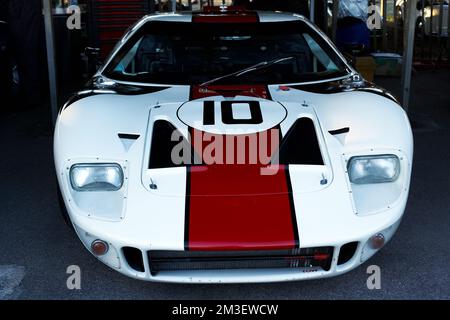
(195, 53)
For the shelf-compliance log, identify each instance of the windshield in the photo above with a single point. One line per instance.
(195, 53)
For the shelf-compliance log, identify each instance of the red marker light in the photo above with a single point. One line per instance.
(377, 241)
(99, 247)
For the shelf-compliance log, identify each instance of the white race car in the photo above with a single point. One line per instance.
(231, 146)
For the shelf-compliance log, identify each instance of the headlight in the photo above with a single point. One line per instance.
(373, 169)
(96, 177)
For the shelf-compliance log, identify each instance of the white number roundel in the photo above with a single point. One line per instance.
(232, 116)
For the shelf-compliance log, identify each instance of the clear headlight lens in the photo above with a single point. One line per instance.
(373, 169)
(96, 177)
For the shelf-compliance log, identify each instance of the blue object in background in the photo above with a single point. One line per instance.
(352, 31)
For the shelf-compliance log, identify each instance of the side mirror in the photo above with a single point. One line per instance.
(92, 52)
(92, 57)
(354, 48)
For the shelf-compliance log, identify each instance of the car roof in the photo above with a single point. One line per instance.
(263, 16)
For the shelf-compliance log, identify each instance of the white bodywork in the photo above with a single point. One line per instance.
(136, 216)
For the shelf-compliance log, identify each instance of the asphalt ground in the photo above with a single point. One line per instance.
(36, 247)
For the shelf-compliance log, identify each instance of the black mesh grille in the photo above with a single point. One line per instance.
(222, 260)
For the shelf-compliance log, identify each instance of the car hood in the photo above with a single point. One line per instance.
(121, 126)
(221, 206)
(240, 146)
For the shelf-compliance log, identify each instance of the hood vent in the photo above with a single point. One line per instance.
(300, 145)
(339, 131)
(127, 140)
(340, 134)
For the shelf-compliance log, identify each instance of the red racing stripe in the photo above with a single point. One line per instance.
(258, 91)
(230, 15)
(226, 18)
(234, 207)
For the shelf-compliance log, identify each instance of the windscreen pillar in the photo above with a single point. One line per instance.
(321, 15)
(51, 62)
(408, 51)
(334, 18)
(448, 35)
(311, 10)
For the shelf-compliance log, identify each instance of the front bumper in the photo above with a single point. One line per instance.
(141, 269)
(153, 222)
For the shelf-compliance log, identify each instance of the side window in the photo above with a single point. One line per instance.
(151, 54)
(128, 64)
(321, 60)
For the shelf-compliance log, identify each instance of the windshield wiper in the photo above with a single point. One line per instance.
(258, 66)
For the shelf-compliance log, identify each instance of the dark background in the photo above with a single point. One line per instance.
(36, 246)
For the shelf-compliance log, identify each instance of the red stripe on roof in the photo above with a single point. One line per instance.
(226, 18)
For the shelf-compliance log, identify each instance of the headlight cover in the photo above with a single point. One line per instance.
(96, 177)
(373, 169)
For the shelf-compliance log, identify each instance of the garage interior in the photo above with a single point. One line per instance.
(43, 62)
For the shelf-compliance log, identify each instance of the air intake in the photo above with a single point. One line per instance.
(134, 259)
(347, 252)
(310, 258)
(300, 144)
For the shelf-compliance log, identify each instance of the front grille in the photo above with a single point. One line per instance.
(224, 260)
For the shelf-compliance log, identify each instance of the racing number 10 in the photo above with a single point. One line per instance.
(226, 108)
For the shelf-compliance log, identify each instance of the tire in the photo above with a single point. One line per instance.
(63, 209)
